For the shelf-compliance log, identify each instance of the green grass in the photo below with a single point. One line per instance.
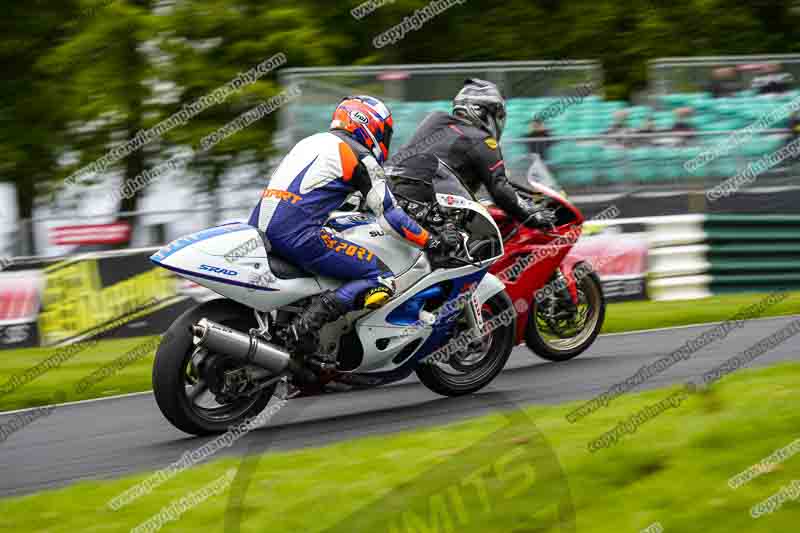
(633, 316)
(65, 378)
(628, 316)
(673, 470)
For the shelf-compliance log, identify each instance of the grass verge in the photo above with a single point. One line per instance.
(135, 377)
(673, 470)
(634, 316)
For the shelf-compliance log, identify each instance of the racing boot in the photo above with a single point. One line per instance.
(376, 297)
(302, 334)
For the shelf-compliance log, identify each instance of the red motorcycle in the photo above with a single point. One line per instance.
(566, 306)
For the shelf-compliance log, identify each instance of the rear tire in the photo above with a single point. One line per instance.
(172, 358)
(551, 350)
(434, 376)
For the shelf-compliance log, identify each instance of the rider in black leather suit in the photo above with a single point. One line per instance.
(466, 140)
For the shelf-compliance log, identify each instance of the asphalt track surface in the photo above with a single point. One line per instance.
(115, 437)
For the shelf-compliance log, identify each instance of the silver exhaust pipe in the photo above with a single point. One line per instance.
(244, 347)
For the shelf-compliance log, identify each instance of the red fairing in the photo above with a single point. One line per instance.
(547, 191)
(532, 256)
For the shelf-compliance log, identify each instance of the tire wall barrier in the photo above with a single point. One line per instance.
(694, 256)
(753, 252)
(677, 258)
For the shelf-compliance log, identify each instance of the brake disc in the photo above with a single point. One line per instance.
(479, 347)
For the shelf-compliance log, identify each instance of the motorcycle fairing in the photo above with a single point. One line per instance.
(231, 260)
(380, 364)
(179, 244)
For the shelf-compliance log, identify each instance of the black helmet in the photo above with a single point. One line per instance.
(481, 103)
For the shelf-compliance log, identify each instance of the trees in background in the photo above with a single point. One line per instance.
(32, 118)
(209, 43)
(100, 69)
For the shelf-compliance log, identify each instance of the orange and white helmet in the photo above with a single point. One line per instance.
(369, 121)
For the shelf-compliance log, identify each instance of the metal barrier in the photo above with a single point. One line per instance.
(694, 74)
(425, 88)
(150, 227)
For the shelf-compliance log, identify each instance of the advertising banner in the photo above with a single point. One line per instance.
(53, 302)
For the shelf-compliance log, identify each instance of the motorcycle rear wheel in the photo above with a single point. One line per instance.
(548, 344)
(173, 384)
(472, 373)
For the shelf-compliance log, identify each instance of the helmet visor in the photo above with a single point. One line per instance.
(387, 136)
(500, 120)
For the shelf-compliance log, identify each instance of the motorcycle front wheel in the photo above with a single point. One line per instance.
(555, 335)
(470, 369)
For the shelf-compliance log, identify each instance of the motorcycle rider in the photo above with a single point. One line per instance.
(313, 180)
(466, 141)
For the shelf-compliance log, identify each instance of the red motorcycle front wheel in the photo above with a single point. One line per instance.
(557, 334)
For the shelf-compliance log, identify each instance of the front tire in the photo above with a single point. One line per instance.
(551, 341)
(170, 380)
(468, 376)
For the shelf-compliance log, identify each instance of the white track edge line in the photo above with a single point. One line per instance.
(76, 402)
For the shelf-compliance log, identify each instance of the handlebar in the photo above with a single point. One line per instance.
(469, 251)
(516, 229)
(524, 189)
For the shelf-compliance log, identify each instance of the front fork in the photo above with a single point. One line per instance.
(474, 316)
(568, 286)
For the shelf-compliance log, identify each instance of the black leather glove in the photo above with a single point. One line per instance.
(540, 219)
(449, 239)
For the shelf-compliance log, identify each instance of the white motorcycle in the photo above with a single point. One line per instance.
(450, 321)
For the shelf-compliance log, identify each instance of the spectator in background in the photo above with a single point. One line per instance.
(794, 125)
(618, 128)
(539, 131)
(724, 82)
(648, 126)
(683, 125)
(773, 81)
